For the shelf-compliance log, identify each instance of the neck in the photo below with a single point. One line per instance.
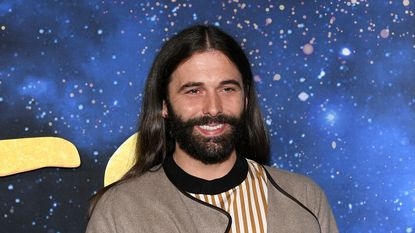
(200, 170)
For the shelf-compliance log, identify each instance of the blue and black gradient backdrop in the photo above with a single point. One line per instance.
(335, 81)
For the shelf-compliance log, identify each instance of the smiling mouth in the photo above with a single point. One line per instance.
(211, 129)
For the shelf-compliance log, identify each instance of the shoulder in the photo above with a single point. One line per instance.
(131, 203)
(307, 192)
(136, 192)
(286, 178)
(299, 186)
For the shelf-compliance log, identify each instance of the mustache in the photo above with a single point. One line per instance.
(206, 120)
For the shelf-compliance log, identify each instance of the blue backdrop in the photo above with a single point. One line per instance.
(335, 80)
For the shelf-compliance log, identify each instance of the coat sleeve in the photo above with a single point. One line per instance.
(324, 213)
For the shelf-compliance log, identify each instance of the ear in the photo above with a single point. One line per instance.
(164, 112)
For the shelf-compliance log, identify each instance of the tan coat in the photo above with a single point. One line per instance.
(151, 203)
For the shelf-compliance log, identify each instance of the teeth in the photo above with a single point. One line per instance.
(208, 127)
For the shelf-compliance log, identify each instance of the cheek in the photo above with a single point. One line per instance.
(189, 110)
(186, 110)
(187, 103)
(234, 104)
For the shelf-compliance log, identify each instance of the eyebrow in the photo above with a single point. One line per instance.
(231, 81)
(198, 84)
(190, 84)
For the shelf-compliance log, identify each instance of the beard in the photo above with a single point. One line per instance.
(208, 150)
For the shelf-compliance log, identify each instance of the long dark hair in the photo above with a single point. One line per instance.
(154, 141)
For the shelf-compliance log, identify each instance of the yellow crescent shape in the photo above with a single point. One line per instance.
(27, 154)
(121, 161)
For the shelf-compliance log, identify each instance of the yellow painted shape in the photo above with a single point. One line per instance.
(121, 161)
(27, 154)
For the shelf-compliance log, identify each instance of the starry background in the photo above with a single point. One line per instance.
(335, 81)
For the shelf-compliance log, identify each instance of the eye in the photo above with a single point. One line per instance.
(193, 91)
(229, 89)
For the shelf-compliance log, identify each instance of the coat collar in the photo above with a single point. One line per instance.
(192, 184)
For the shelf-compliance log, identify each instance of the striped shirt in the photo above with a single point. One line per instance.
(246, 203)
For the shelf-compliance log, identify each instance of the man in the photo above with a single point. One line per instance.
(202, 142)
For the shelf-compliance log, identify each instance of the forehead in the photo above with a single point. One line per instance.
(206, 67)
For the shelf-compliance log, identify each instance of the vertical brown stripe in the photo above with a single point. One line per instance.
(235, 212)
(263, 197)
(227, 200)
(222, 203)
(251, 199)
(208, 199)
(213, 200)
(257, 205)
(243, 209)
(218, 202)
(263, 181)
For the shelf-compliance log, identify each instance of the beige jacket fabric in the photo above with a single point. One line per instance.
(151, 203)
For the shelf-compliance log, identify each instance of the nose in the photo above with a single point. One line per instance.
(212, 105)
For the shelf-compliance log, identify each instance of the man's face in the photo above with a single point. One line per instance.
(205, 106)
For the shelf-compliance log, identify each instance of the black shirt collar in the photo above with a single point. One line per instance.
(192, 184)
